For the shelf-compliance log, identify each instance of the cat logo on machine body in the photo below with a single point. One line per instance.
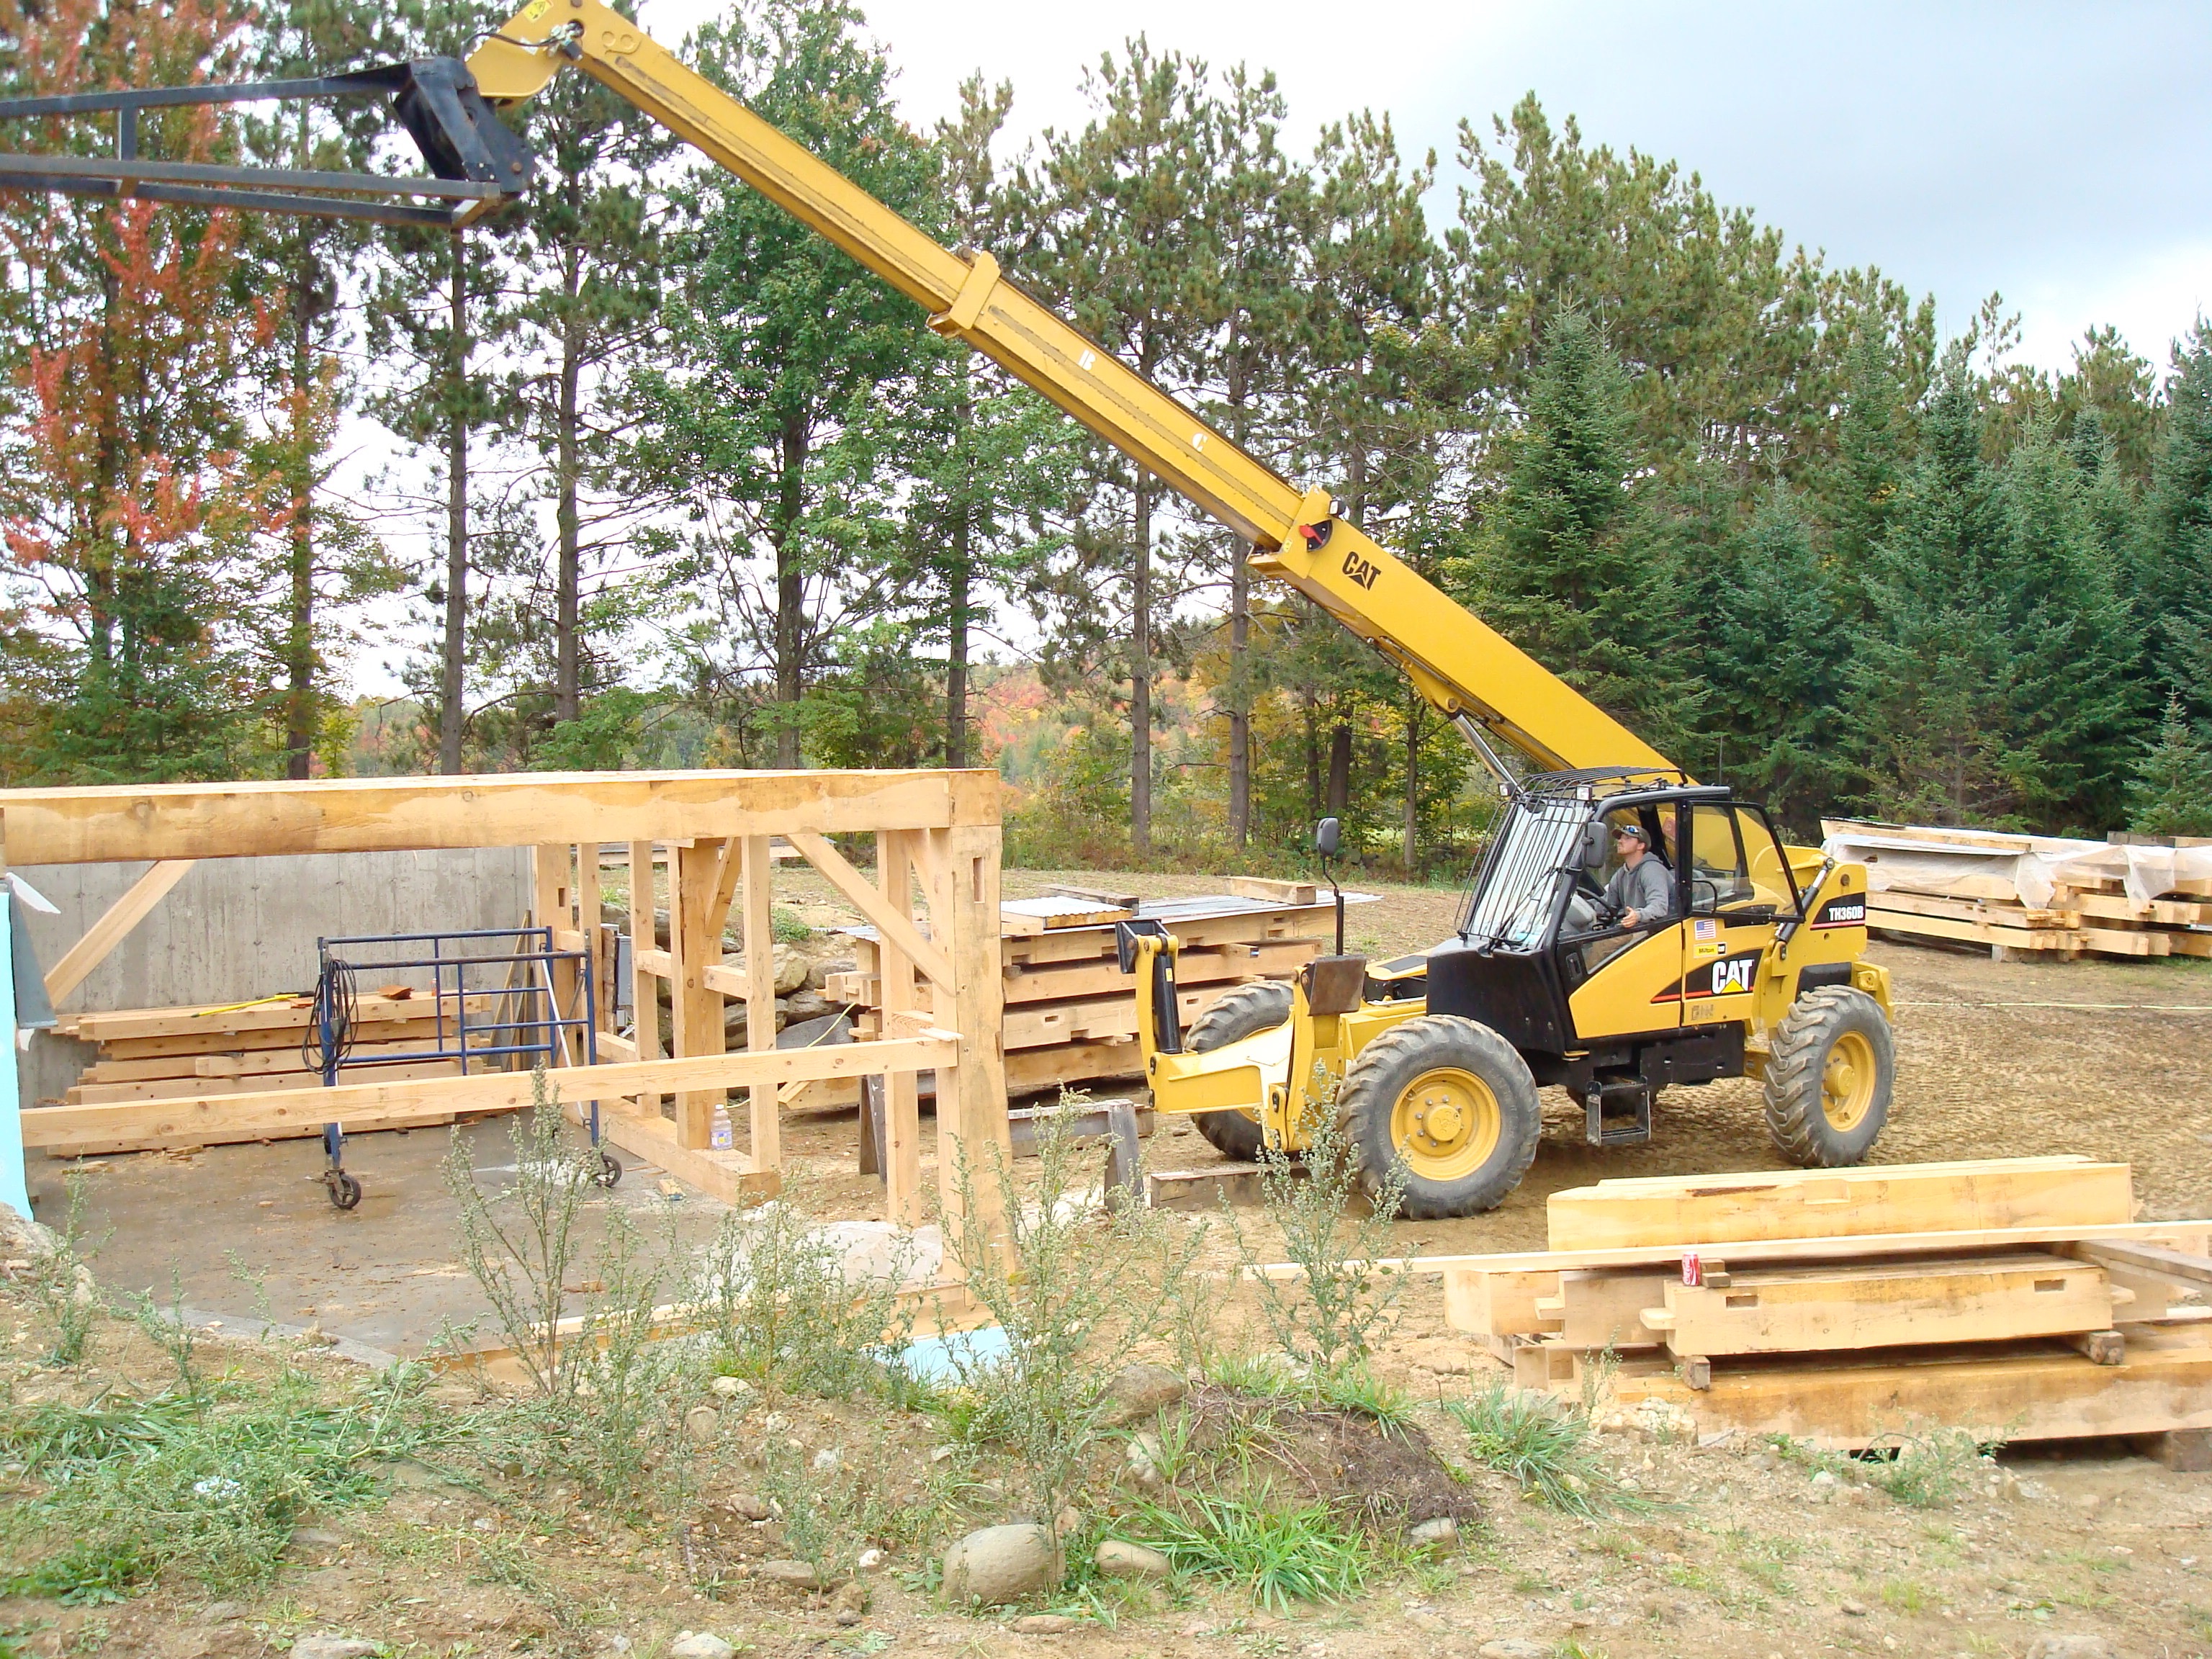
(1731, 976)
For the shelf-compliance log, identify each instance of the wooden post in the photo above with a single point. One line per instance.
(695, 943)
(760, 998)
(644, 986)
(901, 1151)
(552, 877)
(962, 864)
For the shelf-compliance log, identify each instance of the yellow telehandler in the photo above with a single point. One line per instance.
(1750, 963)
(1629, 927)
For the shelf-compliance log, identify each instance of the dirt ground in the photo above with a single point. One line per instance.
(1746, 1554)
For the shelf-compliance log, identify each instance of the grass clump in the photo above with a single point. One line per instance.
(1275, 1553)
(1547, 1448)
(209, 1483)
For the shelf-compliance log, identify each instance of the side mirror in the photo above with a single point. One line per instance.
(1329, 835)
(1596, 841)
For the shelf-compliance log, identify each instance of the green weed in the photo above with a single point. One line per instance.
(208, 1484)
(1929, 1469)
(62, 1288)
(1077, 1285)
(1324, 1318)
(1903, 1596)
(1549, 1449)
(1275, 1556)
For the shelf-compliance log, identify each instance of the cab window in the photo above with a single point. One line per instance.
(1719, 876)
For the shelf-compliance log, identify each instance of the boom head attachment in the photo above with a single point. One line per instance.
(475, 160)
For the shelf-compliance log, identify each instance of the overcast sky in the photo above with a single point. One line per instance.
(2060, 154)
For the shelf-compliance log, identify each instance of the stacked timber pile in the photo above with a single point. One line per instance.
(1070, 1014)
(2014, 1298)
(2033, 897)
(183, 1054)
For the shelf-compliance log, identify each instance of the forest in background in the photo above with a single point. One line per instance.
(672, 482)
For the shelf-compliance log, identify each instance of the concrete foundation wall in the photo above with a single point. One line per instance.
(238, 928)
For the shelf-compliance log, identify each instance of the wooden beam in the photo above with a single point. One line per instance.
(2154, 1258)
(963, 868)
(104, 935)
(902, 1149)
(659, 963)
(1773, 1250)
(695, 938)
(366, 1105)
(757, 872)
(126, 823)
(727, 1175)
(1846, 1403)
(726, 981)
(891, 920)
(1902, 1197)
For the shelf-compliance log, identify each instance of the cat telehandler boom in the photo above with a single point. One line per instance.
(1431, 1064)
(1751, 965)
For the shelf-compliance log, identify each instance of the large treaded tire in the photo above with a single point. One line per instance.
(1245, 1012)
(1394, 1063)
(1815, 1125)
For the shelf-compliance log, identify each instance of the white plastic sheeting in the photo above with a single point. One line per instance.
(1963, 863)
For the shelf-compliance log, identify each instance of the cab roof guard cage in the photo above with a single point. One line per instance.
(476, 161)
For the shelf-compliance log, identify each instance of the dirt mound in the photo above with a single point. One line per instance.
(1392, 1475)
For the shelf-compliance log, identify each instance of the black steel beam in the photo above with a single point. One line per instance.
(201, 172)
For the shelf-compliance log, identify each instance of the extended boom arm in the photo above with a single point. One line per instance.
(1463, 667)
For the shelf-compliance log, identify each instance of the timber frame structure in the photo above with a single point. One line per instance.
(937, 836)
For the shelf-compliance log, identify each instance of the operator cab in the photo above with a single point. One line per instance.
(1556, 900)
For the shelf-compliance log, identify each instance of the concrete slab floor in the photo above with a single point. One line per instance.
(249, 1232)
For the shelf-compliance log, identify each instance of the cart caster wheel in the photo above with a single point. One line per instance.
(609, 1170)
(345, 1191)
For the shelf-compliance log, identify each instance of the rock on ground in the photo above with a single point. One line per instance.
(1513, 1647)
(1437, 1536)
(336, 1647)
(1119, 1558)
(699, 1644)
(2078, 1646)
(795, 1574)
(1137, 1392)
(998, 1565)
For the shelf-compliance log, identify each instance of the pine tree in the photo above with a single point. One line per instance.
(2074, 717)
(2173, 586)
(1569, 568)
(771, 425)
(1126, 248)
(590, 257)
(1776, 665)
(1929, 696)
(2171, 792)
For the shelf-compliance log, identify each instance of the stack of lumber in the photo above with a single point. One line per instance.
(1070, 1014)
(2026, 897)
(2014, 1298)
(183, 1054)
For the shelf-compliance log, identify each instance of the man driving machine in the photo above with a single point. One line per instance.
(1641, 890)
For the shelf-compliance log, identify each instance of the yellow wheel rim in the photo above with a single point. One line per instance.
(1446, 1124)
(1847, 1083)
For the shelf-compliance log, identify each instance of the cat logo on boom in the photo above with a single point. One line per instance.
(1362, 571)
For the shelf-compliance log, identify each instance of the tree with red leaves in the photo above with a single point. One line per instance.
(131, 505)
